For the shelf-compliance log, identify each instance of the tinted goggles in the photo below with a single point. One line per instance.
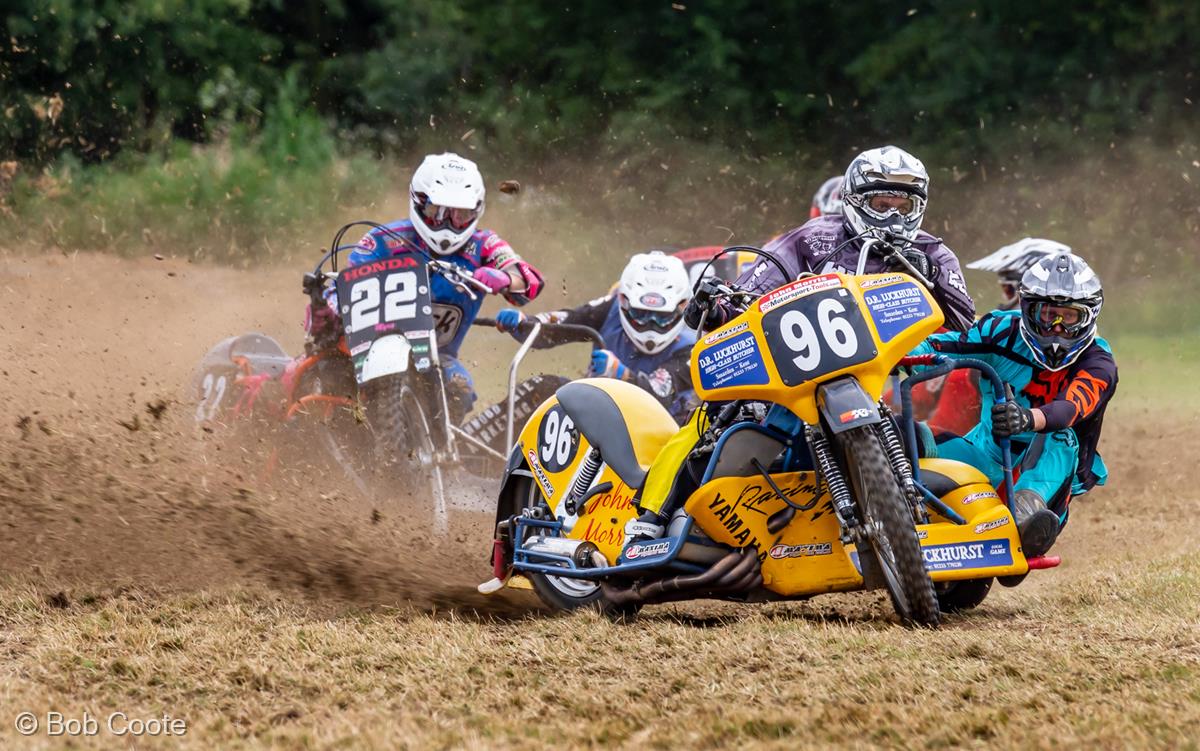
(443, 217)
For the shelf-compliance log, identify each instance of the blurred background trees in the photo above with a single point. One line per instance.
(962, 79)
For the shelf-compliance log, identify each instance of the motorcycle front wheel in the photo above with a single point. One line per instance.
(892, 536)
(404, 442)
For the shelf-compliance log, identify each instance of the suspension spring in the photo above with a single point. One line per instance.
(843, 502)
(587, 473)
(895, 451)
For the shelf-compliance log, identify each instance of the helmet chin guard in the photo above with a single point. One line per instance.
(445, 201)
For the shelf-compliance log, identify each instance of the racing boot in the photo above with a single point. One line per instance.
(1037, 524)
(647, 526)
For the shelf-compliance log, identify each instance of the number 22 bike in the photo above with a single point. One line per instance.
(368, 396)
(808, 483)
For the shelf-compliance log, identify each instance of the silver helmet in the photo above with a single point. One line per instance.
(1061, 299)
(884, 192)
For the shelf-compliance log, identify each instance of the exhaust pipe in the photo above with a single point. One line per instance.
(736, 572)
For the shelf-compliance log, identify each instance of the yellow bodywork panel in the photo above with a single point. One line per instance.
(807, 557)
(826, 326)
(555, 450)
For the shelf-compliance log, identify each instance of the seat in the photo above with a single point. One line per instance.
(627, 424)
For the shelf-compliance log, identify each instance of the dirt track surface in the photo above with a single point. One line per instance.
(109, 482)
(123, 529)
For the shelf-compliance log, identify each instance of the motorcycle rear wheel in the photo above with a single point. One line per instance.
(894, 542)
(957, 596)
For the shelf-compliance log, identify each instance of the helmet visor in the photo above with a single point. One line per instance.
(444, 217)
(658, 321)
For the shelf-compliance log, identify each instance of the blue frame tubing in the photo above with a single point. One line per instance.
(942, 366)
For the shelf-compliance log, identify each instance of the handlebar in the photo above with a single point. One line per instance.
(579, 332)
(941, 365)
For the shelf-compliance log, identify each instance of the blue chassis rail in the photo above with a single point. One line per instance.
(943, 367)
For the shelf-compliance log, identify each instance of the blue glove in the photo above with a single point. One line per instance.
(606, 365)
(509, 319)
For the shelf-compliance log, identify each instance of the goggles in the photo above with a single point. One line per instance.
(1067, 318)
(658, 321)
(443, 217)
(883, 202)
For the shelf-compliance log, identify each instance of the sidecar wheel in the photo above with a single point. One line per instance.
(957, 596)
(561, 593)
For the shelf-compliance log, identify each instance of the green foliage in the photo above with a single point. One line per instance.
(952, 78)
(241, 201)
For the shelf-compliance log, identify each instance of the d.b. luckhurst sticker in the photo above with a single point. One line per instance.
(737, 362)
(896, 307)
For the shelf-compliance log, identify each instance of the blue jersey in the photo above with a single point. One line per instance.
(1074, 397)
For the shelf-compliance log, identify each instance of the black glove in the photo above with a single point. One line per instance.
(1010, 419)
(919, 261)
(699, 304)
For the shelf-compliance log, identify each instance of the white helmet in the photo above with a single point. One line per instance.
(884, 192)
(652, 294)
(1012, 261)
(445, 201)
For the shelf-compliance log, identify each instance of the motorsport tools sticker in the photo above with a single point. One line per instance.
(797, 289)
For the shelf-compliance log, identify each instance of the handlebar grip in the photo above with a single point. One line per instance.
(481, 321)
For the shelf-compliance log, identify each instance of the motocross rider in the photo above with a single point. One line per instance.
(951, 403)
(446, 200)
(884, 192)
(641, 322)
(828, 198)
(1063, 374)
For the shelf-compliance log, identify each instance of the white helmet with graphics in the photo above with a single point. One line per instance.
(1061, 299)
(652, 294)
(446, 201)
(1012, 261)
(884, 192)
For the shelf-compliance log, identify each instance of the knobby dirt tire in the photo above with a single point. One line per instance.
(556, 592)
(880, 499)
(404, 441)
